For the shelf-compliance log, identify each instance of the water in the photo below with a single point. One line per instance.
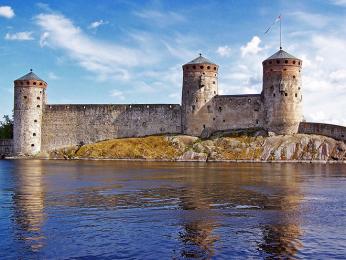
(142, 210)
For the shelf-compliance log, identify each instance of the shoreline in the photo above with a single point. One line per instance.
(167, 160)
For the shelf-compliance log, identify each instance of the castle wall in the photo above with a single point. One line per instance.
(334, 131)
(67, 125)
(6, 146)
(238, 112)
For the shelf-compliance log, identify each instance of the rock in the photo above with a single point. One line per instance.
(193, 156)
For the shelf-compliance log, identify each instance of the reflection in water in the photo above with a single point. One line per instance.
(135, 210)
(28, 201)
(197, 237)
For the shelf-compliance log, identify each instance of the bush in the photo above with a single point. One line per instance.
(6, 128)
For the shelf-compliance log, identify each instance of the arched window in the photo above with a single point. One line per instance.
(201, 67)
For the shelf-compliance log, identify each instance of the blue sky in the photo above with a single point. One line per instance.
(118, 51)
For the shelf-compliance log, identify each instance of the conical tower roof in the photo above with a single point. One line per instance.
(30, 76)
(281, 54)
(200, 60)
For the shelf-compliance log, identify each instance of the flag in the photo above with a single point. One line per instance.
(276, 20)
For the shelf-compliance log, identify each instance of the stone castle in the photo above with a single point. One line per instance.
(43, 127)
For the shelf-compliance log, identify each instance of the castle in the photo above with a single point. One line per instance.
(42, 127)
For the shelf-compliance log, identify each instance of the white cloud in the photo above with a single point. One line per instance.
(96, 24)
(312, 19)
(160, 18)
(19, 36)
(252, 47)
(224, 51)
(7, 12)
(117, 94)
(339, 2)
(105, 59)
(53, 76)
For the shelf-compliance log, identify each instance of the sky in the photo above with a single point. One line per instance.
(121, 51)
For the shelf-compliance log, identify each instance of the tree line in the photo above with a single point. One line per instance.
(6, 128)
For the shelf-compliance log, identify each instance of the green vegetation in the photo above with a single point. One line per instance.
(6, 128)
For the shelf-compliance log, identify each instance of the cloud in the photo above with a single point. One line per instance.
(252, 47)
(19, 36)
(117, 94)
(7, 12)
(339, 2)
(96, 24)
(52, 76)
(160, 18)
(105, 59)
(312, 19)
(224, 51)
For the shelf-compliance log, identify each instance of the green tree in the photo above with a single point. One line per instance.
(6, 128)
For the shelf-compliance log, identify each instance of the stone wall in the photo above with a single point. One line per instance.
(6, 146)
(238, 112)
(67, 125)
(333, 131)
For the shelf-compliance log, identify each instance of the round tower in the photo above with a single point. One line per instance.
(29, 100)
(282, 92)
(200, 86)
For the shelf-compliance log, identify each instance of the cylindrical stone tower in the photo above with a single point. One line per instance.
(282, 92)
(200, 86)
(29, 100)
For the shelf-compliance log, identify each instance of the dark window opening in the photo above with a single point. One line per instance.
(34, 83)
(213, 118)
(209, 109)
(203, 126)
(35, 121)
(193, 66)
(294, 62)
(215, 92)
(208, 67)
(201, 67)
(274, 95)
(270, 62)
(285, 94)
(285, 69)
(286, 61)
(256, 121)
(38, 98)
(296, 95)
(34, 134)
(32, 145)
(342, 136)
(28, 83)
(25, 97)
(38, 106)
(213, 82)
(224, 120)
(193, 108)
(299, 63)
(278, 61)
(214, 68)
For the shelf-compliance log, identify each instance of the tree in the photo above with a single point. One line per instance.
(6, 128)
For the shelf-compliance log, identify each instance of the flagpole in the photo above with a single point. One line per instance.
(280, 33)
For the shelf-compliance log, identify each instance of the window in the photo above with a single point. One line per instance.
(256, 121)
(220, 109)
(34, 83)
(224, 120)
(203, 126)
(201, 67)
(285, 94)
(270, 62)
(193, 66)
(278, 61)
(296, 95)
(215, 92)
(214, 68)
(34, 134)
(294, 62)
(27, 83)
(193, 108)
(299, 63)
(209, 110)
(38, 106)
(188, 92)
(35, 121)
(208, 67)
(40, 84)
(38, 98)
(32, 145)
(294, 76)
(286, 61)
(213, 118)
(274, 95)
(213, 82)
(25, 97)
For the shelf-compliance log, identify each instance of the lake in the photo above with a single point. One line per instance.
(162, 210)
